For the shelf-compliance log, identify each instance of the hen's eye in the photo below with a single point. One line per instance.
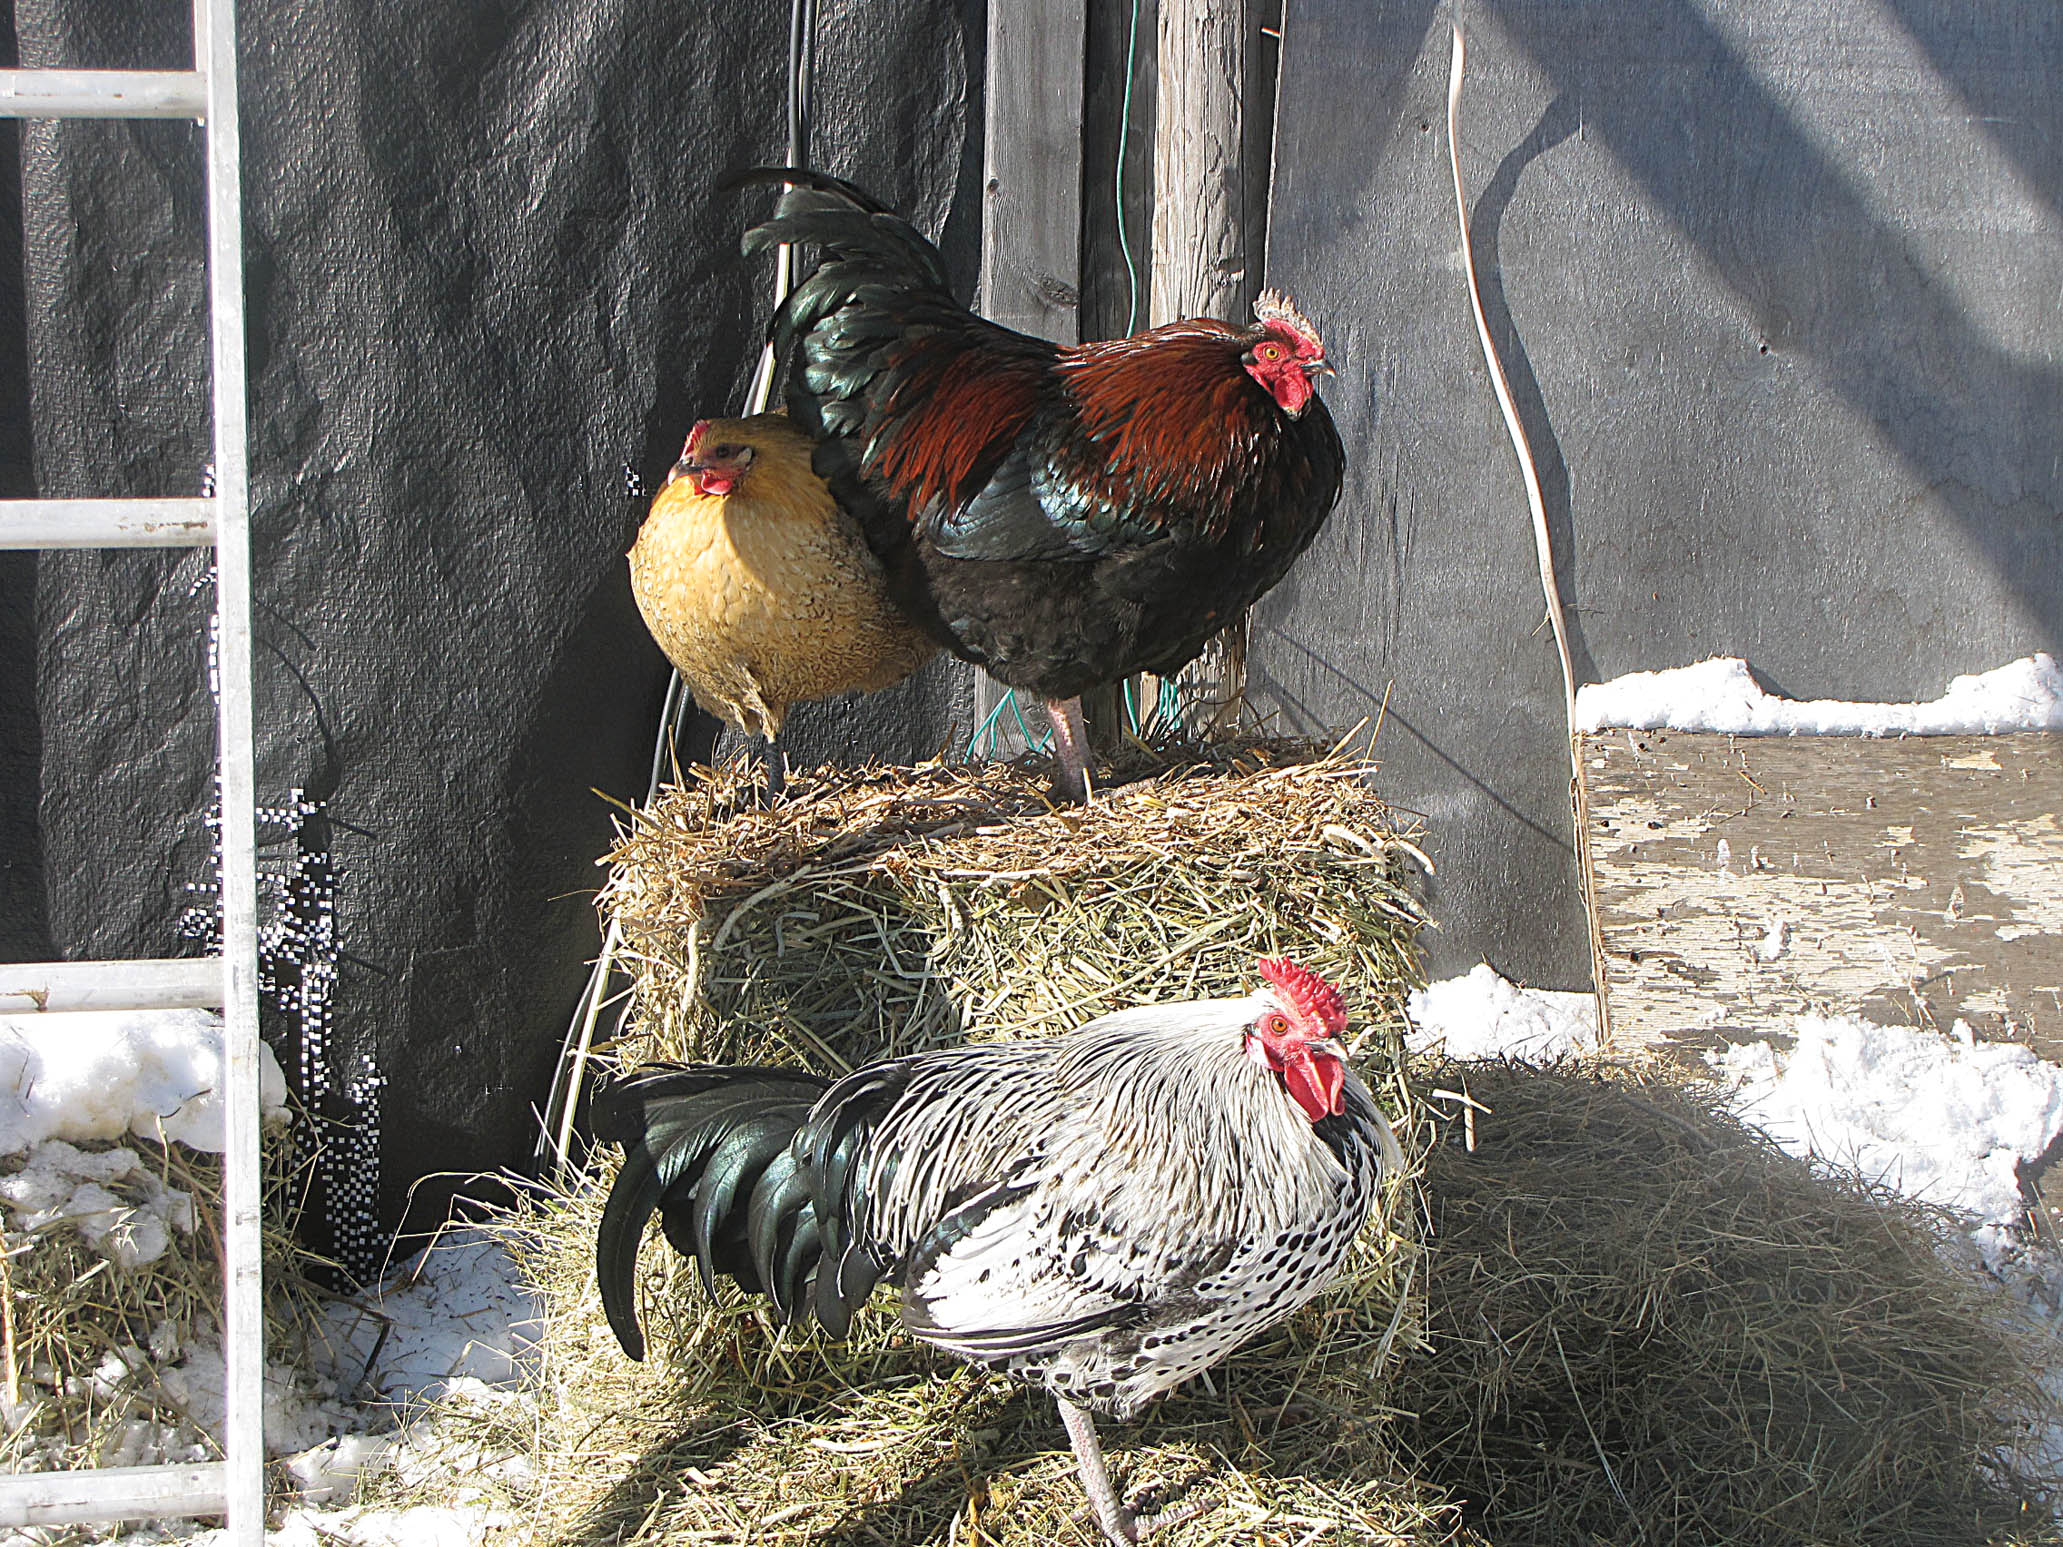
(725, 453)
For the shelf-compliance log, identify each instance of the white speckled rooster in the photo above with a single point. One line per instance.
(1103, 1214)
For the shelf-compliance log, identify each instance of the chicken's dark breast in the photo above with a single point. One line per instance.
(1071, 569)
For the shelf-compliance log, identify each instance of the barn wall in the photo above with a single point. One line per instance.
(1777, 283)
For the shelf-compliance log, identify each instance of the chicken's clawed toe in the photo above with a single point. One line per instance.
(1144, 1525)
(1122, 1524)
(1130, 1525)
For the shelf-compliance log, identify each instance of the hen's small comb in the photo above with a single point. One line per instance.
(1309, 995)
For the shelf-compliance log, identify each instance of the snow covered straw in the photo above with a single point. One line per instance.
(110, 1130)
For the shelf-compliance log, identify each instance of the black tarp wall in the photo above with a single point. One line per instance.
(488, 280)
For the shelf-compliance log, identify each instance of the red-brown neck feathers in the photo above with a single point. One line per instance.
(1173, 412)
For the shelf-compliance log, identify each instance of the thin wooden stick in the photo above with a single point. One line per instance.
(1543, 544)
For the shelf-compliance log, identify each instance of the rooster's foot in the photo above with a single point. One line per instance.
(1124, 1526)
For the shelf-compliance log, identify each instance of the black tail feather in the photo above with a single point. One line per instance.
(695, 1140)
(803, 177)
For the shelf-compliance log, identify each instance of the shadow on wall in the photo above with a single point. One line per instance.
(1807, 250)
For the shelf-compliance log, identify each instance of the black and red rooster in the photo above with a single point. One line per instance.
(1063, 516)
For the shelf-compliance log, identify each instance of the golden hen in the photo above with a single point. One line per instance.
(758, 587)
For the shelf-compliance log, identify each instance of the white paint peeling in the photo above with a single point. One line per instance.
(2022, 866)
(1728, 912)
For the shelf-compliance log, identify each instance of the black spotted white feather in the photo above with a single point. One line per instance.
(1104, 1214)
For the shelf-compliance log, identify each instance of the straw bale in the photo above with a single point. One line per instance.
(875, 913)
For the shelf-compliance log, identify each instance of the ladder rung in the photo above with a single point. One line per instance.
(183, 983)
(181, 523)
(103, 94)
(111, 1493)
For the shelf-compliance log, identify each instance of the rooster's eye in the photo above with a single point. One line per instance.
(1271, 351)
(1276, 1024)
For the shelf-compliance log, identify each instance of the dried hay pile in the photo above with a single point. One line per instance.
(1649, 1324)
(1632, 1321)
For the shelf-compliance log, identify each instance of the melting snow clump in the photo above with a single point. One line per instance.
(105, 1074)
(1483, 1016)
(1942, 1118)
(1720, 695)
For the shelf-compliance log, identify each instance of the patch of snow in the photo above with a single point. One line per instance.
(1480, 1015)
(110, 1197)
(87, 1075)
(455, 1321)
(417, 1525)
(1720, 695)
(1946, 1119)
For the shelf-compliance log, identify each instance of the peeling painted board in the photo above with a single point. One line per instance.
(1744, 880)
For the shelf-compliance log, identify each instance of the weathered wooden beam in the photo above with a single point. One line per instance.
(1031, 232)
(1032, 168)
(1200, 264)
(1745, 880)
(1203, 187)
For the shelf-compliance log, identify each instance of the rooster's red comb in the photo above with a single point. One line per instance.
(1274, 306)
(1309, 995)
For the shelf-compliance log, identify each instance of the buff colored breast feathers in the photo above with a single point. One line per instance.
(758, 587)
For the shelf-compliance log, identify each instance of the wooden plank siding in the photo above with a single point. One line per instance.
(1744, 880)
(1032, 169)
(1031, 225)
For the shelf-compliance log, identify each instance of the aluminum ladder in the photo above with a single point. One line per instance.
(235, 1486)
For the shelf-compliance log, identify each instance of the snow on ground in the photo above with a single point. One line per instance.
(1941, 1117)
(1483, 1016)
(1938, 1117)
(453, 1323)
(103, 1074)
(1720, 695)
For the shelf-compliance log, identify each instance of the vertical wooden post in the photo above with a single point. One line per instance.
(1031, 234)
(1201, 267)
(1032, 168)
